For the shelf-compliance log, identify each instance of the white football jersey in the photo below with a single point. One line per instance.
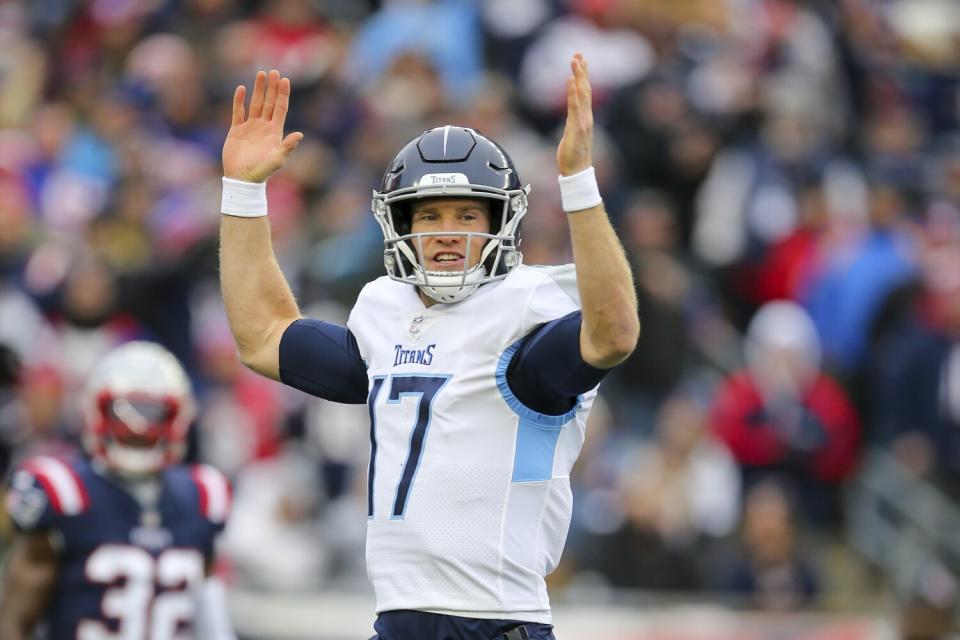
(469, 491)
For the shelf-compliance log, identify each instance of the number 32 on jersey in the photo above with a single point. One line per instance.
(134, 605)
(424, 388)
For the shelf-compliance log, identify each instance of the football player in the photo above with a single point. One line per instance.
(478, 372)
(120, 544)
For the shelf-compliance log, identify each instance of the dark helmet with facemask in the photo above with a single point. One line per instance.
(450, 162)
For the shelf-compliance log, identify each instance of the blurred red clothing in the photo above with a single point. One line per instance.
(819, 435)
(788, 266)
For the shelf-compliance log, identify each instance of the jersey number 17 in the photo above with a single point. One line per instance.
(425, 389)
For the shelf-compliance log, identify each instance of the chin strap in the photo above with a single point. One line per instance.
(212, 621)
(459, 287)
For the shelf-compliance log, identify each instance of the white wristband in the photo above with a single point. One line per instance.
(244, 199)
(579, 191)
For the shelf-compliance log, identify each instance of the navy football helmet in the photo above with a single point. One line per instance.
(448, 162)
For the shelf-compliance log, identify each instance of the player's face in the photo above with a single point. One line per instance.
(455, 215)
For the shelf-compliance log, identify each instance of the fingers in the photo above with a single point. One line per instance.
(573, 102)
(256, 97)
(283, 102)
(238, 97)
(582, 80)
(573, 152)
(291, 142)
(270, 100)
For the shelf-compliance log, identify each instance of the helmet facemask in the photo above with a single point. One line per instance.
(138, 407)
(404, 258)
(138, 435)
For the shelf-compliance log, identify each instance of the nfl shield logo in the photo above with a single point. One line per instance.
(415, 325)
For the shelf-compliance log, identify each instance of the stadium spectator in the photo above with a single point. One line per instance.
(783, 150)
(678, 495)
(770, 572)
(914, 367)
(782, 414)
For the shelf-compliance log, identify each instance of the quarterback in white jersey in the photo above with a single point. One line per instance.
(478, 371)
(470, 493)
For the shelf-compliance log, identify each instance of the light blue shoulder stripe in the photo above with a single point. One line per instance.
(537, 432)
(514, 403)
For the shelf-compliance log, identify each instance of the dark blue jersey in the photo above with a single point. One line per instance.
(128, 568)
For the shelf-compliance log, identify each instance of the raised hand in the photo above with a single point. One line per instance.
(255, 146)
(574, 151)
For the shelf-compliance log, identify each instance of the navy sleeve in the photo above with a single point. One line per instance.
(322, 359)
(548, 372)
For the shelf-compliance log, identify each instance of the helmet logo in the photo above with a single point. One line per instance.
(438, 179)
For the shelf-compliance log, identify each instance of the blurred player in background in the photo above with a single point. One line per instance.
(478, 371)
(119, 545)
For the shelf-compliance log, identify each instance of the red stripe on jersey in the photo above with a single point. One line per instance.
(201, 488)
(214, 490)
(81, 487)
(63, 486)
(47, 488)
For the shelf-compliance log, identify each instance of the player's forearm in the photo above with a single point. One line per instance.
(15, 624)
(257, 298)
(30, 575)
(610, 324)
(213, 618)
(11, 629)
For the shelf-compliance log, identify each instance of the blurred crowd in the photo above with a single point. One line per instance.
(785, 176)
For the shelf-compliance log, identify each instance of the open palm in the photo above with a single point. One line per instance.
(255, 146)
(574, 150)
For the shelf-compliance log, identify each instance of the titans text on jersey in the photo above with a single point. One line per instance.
(413, 356)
